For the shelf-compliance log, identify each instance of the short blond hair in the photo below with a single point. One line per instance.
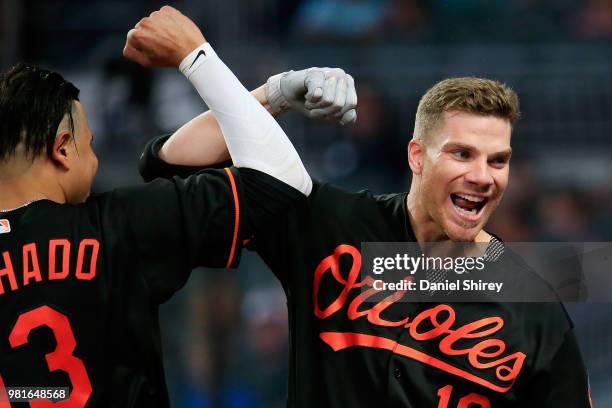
(469, 94)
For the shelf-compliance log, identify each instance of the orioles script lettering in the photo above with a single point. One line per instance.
(437, 323)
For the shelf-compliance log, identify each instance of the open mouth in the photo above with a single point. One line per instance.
(468, 205)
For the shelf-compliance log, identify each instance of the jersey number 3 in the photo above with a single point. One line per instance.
(59, 359)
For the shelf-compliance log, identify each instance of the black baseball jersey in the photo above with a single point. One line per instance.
(80, 285)
(348, 352)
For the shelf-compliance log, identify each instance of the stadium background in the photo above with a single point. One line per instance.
(225, 335)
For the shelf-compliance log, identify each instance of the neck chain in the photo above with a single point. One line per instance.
(21, 206)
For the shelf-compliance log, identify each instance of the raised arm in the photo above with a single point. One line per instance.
(254, 139)
(200, 141)
(326, 94)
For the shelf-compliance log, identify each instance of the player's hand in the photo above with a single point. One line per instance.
(320, 93)
(163, 39)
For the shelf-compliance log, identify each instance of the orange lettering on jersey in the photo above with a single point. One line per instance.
(54, 246)
(332, 263)
(95, 247)
(8, 272)
(436, 325)
(31, 268)
(494, 347)
(59, 264)
(373, 313)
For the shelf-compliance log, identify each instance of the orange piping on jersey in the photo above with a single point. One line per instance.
(236, 219)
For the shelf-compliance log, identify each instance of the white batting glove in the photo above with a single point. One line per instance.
(319, 93)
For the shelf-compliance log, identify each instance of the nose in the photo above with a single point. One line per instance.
(479, 175)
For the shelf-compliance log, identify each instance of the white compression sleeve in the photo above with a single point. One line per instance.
(253, 137)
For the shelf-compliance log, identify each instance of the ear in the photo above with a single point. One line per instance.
(60, 155)
(416, 155)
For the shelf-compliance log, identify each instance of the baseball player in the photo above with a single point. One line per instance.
(82, 277)
(350, 351)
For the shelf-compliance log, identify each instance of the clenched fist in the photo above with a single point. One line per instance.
(319, 93)
(163, 39)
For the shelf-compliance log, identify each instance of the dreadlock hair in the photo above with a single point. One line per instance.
(33, 102)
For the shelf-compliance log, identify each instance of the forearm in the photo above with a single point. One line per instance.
(200, 141)
(167, 38)
(253, 137)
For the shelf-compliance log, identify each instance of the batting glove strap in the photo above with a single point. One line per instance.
(277, 101)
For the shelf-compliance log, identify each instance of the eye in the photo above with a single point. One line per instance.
(461, 154)
(499, 162)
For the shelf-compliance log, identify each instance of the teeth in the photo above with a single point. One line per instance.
(464, 211)
(475, 199)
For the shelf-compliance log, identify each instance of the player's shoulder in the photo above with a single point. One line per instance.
(358, 206)
(542, 308)
(338, 195)
(547, 321)
(164, 187)
(526, 276)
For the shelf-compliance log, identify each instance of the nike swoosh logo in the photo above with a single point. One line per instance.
(196, 58)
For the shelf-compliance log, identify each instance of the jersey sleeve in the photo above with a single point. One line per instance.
(562, 382)
(176, 224)
(268, 238)
(326, 214)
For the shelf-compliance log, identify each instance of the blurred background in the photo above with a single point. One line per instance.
(225, 334)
